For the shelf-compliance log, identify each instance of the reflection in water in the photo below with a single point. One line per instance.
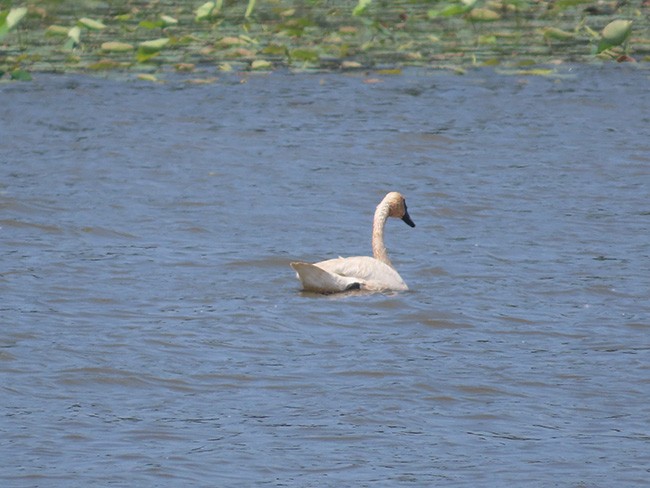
(151, 321)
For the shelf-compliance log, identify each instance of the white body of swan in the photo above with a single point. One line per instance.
(360, 272)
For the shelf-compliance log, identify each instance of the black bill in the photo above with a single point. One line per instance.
(407, 218)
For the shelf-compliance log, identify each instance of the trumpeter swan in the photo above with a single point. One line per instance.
(360, 272)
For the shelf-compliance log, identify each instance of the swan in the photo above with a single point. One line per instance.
(360, 272)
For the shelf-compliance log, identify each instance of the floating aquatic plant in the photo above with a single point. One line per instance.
(483, 15)
(616, 33)
(90, 24)
(249, 8)
(168, 20)
(57, 30)
(208, 10)
(261, 65)
(457, 8)
(553, 33)
(355, 33)
(161, 23)
(361, 7)
(10, 19)
(74, 38)
(21, 75)
(116, 46)
(150, 49)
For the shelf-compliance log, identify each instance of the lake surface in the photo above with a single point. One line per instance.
(153, 333)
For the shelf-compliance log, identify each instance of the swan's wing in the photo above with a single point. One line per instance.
(370, 272)
(319, 280)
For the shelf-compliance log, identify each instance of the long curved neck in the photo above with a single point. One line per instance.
(378, 248)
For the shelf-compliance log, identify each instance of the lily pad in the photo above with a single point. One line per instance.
(459, 8)
(21, 75)
(57, 30)
(351, 65)
(74, 38)
(361, 7)
(308, 55)
(151, 25)
(117, 47)
(249, 8)
(230, 41)
(105, 65)
(558, 34)
(614, 34)
(483, 15)
(207, 11)
(275, 50)
(147, 77)
(14, 16)
(90, 24)
(11, 19)
(153, 46)
(261, 64)
(150, 49)
(167, 20)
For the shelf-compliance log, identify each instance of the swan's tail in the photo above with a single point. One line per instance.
(318, 280)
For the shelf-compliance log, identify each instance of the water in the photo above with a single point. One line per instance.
(153, 333)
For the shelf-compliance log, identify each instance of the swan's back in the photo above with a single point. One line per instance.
(371, 273)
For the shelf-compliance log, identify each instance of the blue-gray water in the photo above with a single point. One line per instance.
(153, 333)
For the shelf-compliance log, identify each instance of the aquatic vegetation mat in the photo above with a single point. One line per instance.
(150, 37)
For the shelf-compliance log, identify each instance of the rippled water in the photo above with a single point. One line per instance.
(153, 333)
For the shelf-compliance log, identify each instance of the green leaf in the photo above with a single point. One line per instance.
(149, 24)
(153, 46)
(565, 4)
(617, 31)
(21, 75)
(275, 50)
(116, 47)
(57, 30)
(14, 16)
(167, 20)
(142, 57)
(249, 8)
(558, 34)
(104, 65)
(207, 11)
(486, 40)
(147, 77)
(483, 15)
(308, 55)
(458, 8)
(150, 49)
(261, 64)
(449, 11)
(74, 36)
(535, 72)
(11, 19)
(614, 34)
(90, 24)
(361, 7)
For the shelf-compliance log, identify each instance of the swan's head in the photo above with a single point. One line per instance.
(397, 207)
